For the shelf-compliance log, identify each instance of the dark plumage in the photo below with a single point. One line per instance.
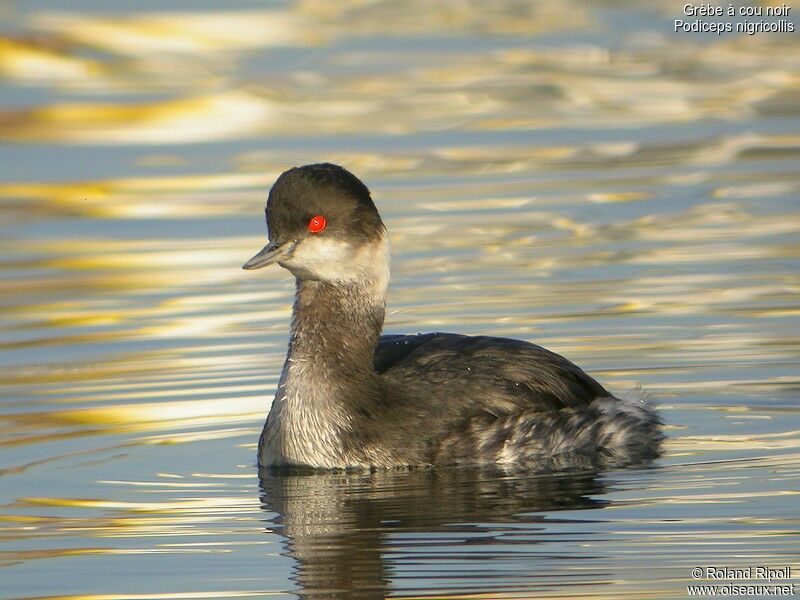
(300, 193)
(350, 398)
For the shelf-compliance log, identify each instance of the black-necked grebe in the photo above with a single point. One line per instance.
(351, 398)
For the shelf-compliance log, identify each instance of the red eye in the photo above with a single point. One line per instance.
(317, 224)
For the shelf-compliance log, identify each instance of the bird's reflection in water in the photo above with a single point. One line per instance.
(338, 527)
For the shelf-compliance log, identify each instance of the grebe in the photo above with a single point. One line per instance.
(351, 398)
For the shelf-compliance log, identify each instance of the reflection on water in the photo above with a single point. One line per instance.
(571, 173)
(345, 530)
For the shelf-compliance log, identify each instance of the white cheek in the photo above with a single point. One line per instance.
(324, 249)
(321, 258)
(336, 260)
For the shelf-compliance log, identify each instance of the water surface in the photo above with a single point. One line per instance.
(570, 173)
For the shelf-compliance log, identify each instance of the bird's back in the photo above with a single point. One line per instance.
(488, 399)
(501, 375)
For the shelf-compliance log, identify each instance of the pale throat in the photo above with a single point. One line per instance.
(328, 370)
(336, 322)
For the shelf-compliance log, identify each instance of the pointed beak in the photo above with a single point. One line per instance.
(270, 254)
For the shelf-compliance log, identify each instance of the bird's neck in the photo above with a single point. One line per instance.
(328, 381)
(336, 322)
(335, 328)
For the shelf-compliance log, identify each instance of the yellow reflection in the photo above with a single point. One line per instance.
(139, 523)
(246, 407)
(22, 555)
(162, 484)
(37, 428)
(784, 440)
(184, 438)
(223, 475)
(167, 595)
(619, 197)
(185, 32)
(29, 61)
(192, 119)
(212, 504)
(145, 196)
(571, 85)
